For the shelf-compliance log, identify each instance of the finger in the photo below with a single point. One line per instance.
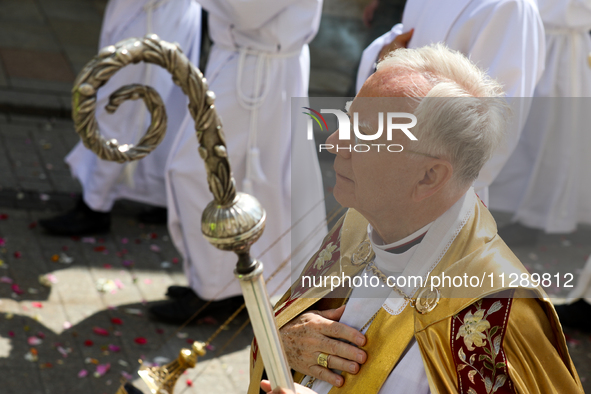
(342, 349)
(404, 38)
(383, 52)
(327, 375)
(336, 362)
(407, 35)
(303, 389)
(333, 314)
(338, 330)
(386, 49)
(279, 390)
(266, 386)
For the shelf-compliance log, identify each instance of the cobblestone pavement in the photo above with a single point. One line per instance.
(70, 326)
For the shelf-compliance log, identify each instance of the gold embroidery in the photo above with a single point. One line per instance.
(324, 256)
(473, 329)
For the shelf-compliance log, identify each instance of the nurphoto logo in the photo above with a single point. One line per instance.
(344, 129)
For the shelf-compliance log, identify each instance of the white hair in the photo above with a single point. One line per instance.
(465, 129)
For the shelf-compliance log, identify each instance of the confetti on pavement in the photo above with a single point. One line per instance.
(32, 355)
(104, 285)
(65, 259)
(100, 331)
(16, 289)
(34, 341)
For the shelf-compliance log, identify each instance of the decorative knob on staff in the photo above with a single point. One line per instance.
(233, 221)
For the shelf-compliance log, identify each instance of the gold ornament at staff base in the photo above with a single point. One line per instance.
(161, 380)
(233, 221)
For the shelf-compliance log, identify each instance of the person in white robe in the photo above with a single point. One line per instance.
(504, 37)
(104, 182)
(546, 182)
(576, 311)
(259, 60)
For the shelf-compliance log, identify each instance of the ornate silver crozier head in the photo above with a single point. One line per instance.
(235, 226)
(233, 221)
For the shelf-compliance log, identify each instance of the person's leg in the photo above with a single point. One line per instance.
(577, 314)
(105, 182)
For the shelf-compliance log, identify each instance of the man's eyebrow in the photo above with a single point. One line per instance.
(364, 126)
(348, 107)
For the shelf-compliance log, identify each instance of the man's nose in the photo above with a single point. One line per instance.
(337, 146)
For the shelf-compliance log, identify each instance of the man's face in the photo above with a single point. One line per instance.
(376, 183)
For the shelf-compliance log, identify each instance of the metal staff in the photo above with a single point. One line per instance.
(233, 221)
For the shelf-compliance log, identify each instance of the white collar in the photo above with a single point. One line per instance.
(378, 242)
(388, 262)
(427, 254)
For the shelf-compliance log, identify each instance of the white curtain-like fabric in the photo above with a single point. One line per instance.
(546, 182)
(258, 62)
(504, 37)
(104, 182)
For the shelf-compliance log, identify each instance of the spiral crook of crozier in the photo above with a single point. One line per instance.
(212, 146)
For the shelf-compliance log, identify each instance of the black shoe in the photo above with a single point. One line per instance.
(576, 315)
(81, 220)
(516, 234)
(176, 292)
(131, 389)
(180, 310)
(156, 215)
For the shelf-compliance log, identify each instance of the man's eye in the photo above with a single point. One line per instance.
(364, 132)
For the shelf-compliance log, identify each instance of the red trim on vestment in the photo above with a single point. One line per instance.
(476, 341)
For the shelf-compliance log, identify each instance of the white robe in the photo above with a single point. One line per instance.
(504, 37)
(258, 62)
(546, 182)
(104, 182)
(582, 288)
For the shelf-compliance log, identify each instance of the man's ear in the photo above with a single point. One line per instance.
(436, 174)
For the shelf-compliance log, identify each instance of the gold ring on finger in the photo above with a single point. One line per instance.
(322, 360)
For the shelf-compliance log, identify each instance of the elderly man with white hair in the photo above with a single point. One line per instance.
(417, 294)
